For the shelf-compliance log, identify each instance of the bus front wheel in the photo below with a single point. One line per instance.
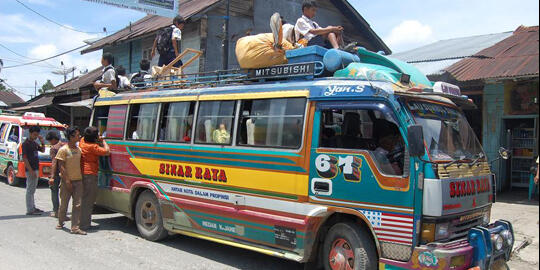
(12, 178)
(347, 246)
(148, 217)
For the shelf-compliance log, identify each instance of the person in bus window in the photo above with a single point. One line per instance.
(54, 178)
(390, 151)
(92, 147)
(221, 135)
(30, 150)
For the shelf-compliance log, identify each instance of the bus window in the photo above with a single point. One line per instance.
(272, 122)
(142, 122)
(214, 122)
(365, 129)
(101, 115)
(176, 122)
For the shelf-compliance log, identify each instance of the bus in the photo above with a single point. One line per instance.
(372, 167)
(13, 132)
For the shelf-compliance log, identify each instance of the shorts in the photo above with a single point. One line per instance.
(165, 59)
(320, 41)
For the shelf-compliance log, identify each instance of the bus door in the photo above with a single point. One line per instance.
(358, 161)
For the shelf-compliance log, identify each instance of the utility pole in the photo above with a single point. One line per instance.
(225, 42)
(35, 88)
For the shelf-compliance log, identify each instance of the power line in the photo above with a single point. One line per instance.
(18, 61)
(52, 21)
(16, 53)
(54, 56)
(14, 89)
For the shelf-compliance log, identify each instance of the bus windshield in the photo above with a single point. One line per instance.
(447, 134)
(44, 131)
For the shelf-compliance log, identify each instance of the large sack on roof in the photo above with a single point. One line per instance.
(258, 51)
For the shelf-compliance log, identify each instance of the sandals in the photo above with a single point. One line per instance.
(78, 231)
(59, 226)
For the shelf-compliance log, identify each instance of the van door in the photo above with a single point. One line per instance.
(3, 146)
(359, 162)
(12, 142)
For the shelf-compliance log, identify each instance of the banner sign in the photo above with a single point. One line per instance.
(165, 8)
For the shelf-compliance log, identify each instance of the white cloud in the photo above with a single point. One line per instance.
(43, 51)
(30, 37)
(409, 34)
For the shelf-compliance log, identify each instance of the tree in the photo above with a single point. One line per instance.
(46, 86)
(2, 87)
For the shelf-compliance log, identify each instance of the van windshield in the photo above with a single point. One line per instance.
(44, 131)
(447, 134)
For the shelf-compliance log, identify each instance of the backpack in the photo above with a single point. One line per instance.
(116, 78)
(138, 79)
(164, 40)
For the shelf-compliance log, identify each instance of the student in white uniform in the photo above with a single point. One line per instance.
(329, 37)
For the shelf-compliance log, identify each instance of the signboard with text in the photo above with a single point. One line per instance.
(166, 8)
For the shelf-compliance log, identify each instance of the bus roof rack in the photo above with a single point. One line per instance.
(296, 71)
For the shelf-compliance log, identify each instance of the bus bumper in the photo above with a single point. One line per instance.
(44, 170)
(480, 251)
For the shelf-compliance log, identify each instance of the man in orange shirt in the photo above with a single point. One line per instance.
(92, 147)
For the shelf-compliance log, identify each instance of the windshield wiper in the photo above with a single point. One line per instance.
(475, 161)
(454, 161)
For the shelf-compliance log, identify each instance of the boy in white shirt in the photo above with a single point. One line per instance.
(168, 50)
(307, 29)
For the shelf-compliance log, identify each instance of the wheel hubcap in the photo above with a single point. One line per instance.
(148, 215)
(341, 255)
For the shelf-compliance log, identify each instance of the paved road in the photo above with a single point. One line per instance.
(30, 242)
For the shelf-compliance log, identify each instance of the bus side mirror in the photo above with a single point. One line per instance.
(415, 135)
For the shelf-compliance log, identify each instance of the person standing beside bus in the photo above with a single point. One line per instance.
(92, 147)
(54, 178)
(30, 150)
(69, 160)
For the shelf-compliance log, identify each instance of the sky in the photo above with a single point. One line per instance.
(403, 25)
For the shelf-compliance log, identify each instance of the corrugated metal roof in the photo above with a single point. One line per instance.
(39, 102)
(9, 98)
(451, 48)
(515, 56)
(434, 58)
(151, 23)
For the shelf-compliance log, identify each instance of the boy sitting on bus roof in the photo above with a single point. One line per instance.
(108, 79)
(309, 33)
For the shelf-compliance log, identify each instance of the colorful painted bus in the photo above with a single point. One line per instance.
(13, 132)
(371, 168)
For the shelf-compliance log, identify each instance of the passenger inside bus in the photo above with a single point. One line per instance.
(221, 135)
(367, 130)
(390, 151)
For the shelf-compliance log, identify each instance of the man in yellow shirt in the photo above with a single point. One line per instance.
(69, 160)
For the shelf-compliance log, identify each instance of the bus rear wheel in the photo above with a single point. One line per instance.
(12, 178)
(347, 246)
(148, 217)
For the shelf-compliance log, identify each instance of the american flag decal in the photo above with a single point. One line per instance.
(389, 227)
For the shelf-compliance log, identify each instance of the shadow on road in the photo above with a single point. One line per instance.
(517, 196)
(232, 256)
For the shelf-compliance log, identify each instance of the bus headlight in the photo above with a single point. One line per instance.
(486, 218)
(497, 241)
(441, 231)
(507, 235)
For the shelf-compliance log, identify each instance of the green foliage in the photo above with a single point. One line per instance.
(46, 86)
